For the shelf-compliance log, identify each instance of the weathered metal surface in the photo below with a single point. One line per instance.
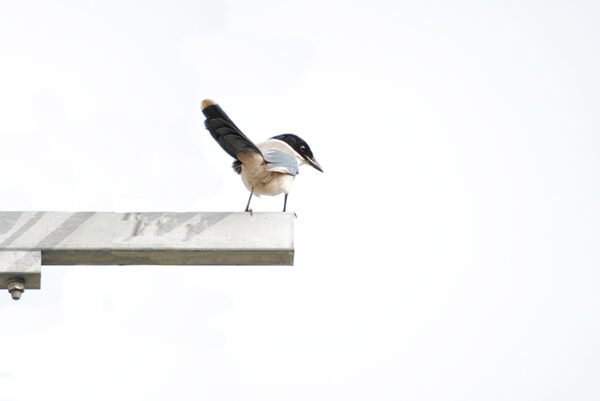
(122, 231)
(105, 238)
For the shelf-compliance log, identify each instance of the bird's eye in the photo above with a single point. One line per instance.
(302, 148)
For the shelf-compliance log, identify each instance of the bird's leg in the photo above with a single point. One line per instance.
(285, 202)
(248, 204)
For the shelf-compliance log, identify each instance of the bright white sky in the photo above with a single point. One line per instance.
(449, 252)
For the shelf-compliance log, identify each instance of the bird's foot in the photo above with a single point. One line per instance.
(249, 211)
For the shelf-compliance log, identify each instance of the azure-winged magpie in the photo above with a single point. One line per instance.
(268, 168)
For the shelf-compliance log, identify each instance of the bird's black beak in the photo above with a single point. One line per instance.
(314, 163)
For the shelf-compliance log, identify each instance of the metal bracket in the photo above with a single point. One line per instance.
(20, 270)
(29, 240)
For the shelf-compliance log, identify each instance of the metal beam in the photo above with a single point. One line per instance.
(31, 239)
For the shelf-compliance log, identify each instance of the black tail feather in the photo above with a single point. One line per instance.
(226, 133)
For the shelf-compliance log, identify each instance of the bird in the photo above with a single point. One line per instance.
(268, 168)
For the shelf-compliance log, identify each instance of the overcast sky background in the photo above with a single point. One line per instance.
(449, 252)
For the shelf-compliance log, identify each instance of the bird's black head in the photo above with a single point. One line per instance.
(300, 146)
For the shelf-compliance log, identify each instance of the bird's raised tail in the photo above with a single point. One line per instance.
(225, 132)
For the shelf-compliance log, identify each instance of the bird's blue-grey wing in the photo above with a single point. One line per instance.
(280, 162)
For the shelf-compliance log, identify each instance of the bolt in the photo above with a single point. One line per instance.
(16, 287)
